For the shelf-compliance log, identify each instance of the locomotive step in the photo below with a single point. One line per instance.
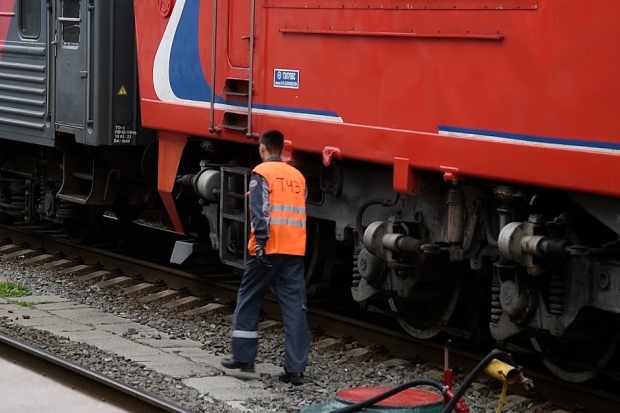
(235, 217)
(231, 93)
(83, 175)
(77, 198)
(233, 127)
(235, 121)
(236, 87)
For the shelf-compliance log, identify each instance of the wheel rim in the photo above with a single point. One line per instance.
(429, 328)
(600, 357)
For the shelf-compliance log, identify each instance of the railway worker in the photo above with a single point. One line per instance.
(277, 247)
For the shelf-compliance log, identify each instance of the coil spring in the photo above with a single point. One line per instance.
(456, 196)
(556, 294)
(42, 188)
(12, 200)
(496, 305)
(357, 277)
(5, 196)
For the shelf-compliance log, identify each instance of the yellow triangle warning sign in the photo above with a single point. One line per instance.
(122, 91)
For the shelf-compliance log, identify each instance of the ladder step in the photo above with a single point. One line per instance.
(228, 259)
(77, 198)
(236, 87)
(236, 93)
(239, 217)
(233, 127)
(235, 121)
(83, 175)
(236, 170)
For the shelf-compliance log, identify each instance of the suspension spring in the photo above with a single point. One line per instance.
(357, 277)
(42, 188)
(10, 200)
(5, 196)
(496, 306)
(557, 288)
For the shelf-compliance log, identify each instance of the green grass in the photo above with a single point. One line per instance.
(8, 289)
(28, 304)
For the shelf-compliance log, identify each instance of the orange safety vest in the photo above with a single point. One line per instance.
(287, 210)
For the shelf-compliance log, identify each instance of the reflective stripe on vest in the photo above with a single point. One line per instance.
(287, 221)
(287, 210)
(287, 215)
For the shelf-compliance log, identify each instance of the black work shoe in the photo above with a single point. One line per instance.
(233, 364)
(293, 378)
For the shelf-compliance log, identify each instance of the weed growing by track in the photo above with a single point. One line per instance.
(28, 304)
(8, 289)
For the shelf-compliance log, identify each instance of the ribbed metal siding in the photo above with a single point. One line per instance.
(23, 89)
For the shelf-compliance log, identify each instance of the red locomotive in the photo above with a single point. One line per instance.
(483, 129)
(460, 155)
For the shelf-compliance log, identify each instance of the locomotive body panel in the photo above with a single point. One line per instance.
(478, 88)
(439, 139)
(460, 154)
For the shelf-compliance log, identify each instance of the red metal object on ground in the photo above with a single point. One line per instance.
(406, 398)
(461, 405)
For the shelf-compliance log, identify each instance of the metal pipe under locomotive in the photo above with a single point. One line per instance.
(437, 247)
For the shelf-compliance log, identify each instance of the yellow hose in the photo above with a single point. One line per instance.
(502, 398)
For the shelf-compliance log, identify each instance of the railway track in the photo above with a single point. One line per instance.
(83, 380)
(200, 285)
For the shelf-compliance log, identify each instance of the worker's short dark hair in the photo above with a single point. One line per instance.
(273, 140)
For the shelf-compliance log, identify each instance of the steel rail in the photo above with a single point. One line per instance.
(83, 379)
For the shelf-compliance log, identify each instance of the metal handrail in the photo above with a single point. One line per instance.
(213, 58)
(251, 69)
(89, 22)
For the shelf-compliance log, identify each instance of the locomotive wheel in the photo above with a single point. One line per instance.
(5, 219)
(82, 228)
(126, 213)
(432, 306)
(320, 253)
(594, 345)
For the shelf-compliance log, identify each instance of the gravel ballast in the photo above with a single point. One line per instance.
(328, 370)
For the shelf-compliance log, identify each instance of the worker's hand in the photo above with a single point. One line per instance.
(262, 257)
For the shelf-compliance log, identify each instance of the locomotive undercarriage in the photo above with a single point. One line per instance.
(466, 258)
(546, 285)
(71, 186)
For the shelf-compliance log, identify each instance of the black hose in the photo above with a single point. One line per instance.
(488, 227)
(489, 233)
(360, 213)
(494, 354)
(369, 402)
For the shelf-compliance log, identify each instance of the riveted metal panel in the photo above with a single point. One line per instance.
(405, 4)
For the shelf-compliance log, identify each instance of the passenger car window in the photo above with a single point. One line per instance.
(30, 18)
(70, 21)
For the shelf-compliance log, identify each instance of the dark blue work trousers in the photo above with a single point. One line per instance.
(287, 279)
